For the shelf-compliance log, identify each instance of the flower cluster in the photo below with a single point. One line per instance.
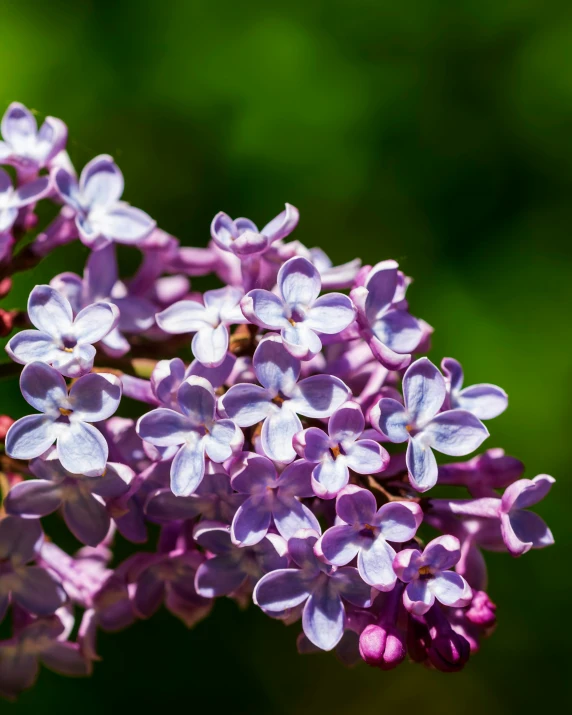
(267, 469)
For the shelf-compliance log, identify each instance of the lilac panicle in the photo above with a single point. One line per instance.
(262, 463)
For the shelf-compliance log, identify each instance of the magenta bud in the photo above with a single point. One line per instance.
(449, 652)
(382, 647)
(482, 610)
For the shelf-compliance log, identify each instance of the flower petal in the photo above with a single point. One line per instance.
(347, 423)
(319, 396)
(210, 345)
(31, 345)
(218, 577)
(252, 474)
(82, 449)
(95, 397)
(340, 544)
(329, 477)
(290, 516)
(375, 564)
(86, 518)
(264, 309)
(49, 311)
(301, 341)
(39, 592)
(424, 391)
(163, 427)
(324, 617)
(442, 553)
(366, 457)
(299, 282)
(251, 522)
(125, 224)
(218, 443)
(19, 126)
(188, 467)
(399, 521)
(278, 431)
(422, 465)
(247, 404)
(281, 590)
(399, 331)
(455, 432)
(94, 322)
(389, 417)
(275, 368)
(43, 388)
(451, 589)
(186, 316)
(34, 497)
(526, 492)
(282, 225)
(30, 437)
(381, 285)
(197, 400)
(20, 539)
(350, 585)
(331, 314)
(356, 506)
(101, 182)
(418, 597)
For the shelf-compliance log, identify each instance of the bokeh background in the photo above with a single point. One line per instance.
(435, 132)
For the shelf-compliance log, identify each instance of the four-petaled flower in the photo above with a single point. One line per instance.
(31, 587)
(228, 567)
(101, 217)
(364, 531)
(485, 401)
(335, 453)
(195, 430)
(428, 578)
(453, 432)
(271, 499)
(209, 322)
(281, 398)
(26, 148)
(65, 418)
(298, 312)
(318, 586)
(82, 499)
(62, 341)
(523, 530)
(391, 332)
(243, 238)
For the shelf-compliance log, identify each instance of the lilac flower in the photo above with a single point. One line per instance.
(170, 578)
(454, 432)
(483, 474)
(214, 499)
(242, 237)
(335, 453)
(298, 312)
(81, 498)
(65, 418)
(484, 401)
(26, 148)
(271, 499)
(279, 401)
(101, 283)
(391, 332)
(362, 530)
(12, 200)
(209, 322)
(62, 341)
(31, 587)
(41, 641)
(319, 586)
(427, 577)
(231, 566)
(100, 215)
(524, 530)
(196, 430)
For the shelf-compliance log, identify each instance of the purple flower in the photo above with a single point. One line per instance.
(362, 530)
(170, 578)
(391, 332)
(214, 499)
(41, 641)
(230, 566)
(65, 418)
(242, 237)
(334, 277)
(31, 587)
(101, 217)
(271, 499)
(298, 312)
(26, 148)
(483, 474)
(195, 430)
(524, 530)
(12, 200)
(454, 432)
(335, 453)
(427, 577)
(209, 322)
(281, 398)
(62, 341)
(82, 499)
(319, 586)
(484, 401)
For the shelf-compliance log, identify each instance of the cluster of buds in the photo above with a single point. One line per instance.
(269, 466)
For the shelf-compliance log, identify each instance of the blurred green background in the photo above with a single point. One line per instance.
(438, 133)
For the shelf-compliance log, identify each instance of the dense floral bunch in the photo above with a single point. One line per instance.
(266, 469)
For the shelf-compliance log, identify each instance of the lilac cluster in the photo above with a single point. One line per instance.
(266, 469)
